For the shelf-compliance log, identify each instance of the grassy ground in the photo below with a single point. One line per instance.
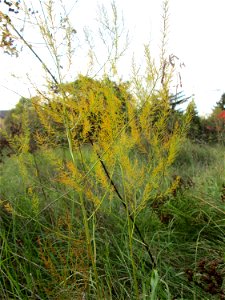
(43, 245)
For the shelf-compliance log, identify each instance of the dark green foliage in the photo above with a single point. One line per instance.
(195, 130)
(221, 104)
(178, 99)
(210, 129)
(5, 148)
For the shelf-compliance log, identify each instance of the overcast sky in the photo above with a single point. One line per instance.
(196, 36)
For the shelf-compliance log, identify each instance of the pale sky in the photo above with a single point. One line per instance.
(196, 36)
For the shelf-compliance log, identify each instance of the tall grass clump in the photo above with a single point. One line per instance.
(91, 213)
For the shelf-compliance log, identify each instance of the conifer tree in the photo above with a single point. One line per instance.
(178, 99)
(221, 103)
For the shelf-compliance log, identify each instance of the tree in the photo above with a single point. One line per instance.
(213, 127)
(8, 39)
(178, 99)
(85, 102)
(21, 122)
(195, 130)
(221, 103)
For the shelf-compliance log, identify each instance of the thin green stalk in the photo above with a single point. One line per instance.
(130, 233)
(88, 243)
(39, 177)
(131, 229)
(34, 52)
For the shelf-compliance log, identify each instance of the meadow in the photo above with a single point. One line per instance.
(102, 194)
(52, 247)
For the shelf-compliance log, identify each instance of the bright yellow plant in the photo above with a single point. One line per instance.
(119, 136)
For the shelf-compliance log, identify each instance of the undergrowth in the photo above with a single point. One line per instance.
(43, 244)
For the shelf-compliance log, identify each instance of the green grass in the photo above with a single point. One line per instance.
(43, 248)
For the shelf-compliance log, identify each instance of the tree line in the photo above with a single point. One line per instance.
(209, 129)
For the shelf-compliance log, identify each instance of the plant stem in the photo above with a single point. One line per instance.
(88, 241)
(147, 248)
(39, 177)
(35, 53)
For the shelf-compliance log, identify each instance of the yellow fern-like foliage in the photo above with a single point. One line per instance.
(104, 122)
